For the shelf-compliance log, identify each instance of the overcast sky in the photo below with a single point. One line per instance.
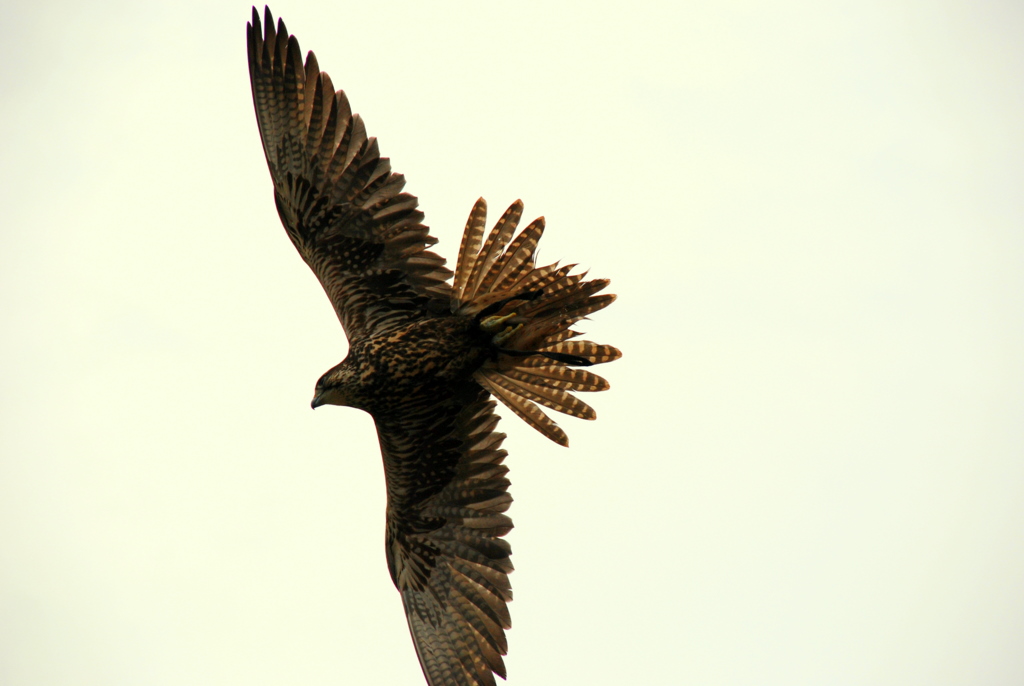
(809, 469)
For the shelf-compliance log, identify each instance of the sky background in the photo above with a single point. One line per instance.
(809, 469)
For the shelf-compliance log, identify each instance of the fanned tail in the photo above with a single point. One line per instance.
(529, 311)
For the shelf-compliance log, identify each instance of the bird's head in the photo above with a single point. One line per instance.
(336, 387)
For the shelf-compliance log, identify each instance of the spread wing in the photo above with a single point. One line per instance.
(342, 207)
(447, 494)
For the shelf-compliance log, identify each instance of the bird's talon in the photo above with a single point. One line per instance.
(504, 336)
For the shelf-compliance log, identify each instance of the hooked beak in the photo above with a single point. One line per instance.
(317, 400)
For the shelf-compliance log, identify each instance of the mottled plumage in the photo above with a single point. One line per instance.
(425, 355)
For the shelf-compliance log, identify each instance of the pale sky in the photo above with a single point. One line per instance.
(809, 469)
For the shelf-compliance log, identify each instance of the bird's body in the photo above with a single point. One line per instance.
(425, 355)
(425, 359)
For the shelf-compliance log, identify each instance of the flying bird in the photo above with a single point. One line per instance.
(426, 351)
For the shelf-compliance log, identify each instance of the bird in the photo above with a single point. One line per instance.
(430, 350)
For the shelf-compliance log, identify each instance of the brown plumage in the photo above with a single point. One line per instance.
(424, 355)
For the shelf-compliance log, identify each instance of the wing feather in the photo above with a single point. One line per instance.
(447, 497)
(341, 204)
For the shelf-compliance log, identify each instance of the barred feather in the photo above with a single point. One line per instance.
(563, 335)
(494, 273)
(527, 411)
(492, 249)
(545, 395)
(518, 258)
(468, 249)
(566, 378)
(538, 330)
(594, 352)
(545, 278)
(560, 297)
(341, 205)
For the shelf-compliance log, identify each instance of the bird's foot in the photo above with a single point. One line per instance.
(495, 323)
(506, 335)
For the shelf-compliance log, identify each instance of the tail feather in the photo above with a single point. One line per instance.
(547, 396)
(518, 257)
(599, 354)
(563, 296)
(493, 247)
(550, 278)
(538, 330)
(497, 281)
(527, 411)
(595, 352)
(571, 314)
(569, 303)
(566, 378)
(470, 246)
(563, 335)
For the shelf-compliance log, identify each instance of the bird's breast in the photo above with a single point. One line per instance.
(416, 362)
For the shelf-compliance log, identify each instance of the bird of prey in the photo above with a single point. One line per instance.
(425, 352)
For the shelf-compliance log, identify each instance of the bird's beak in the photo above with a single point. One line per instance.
(317, 401)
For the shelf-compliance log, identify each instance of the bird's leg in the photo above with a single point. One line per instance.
(494, 323)
(498, 327)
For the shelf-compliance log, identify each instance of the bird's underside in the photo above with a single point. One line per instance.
(425, 355)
